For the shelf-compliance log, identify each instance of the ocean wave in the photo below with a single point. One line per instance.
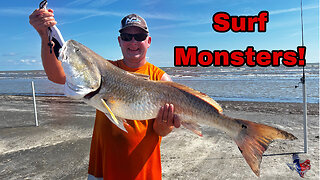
(270, 84)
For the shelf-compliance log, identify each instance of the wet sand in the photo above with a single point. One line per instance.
(59, 147)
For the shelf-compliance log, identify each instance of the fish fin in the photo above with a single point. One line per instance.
(143, 76)
(120, 125)
(194, 127)
(254, 139)
(199, 94)
(113, 118)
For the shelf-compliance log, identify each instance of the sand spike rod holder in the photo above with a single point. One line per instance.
(34, 104)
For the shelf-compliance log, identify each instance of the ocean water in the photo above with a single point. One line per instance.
(262, 84)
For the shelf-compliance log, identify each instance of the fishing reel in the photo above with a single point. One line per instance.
(302, 81)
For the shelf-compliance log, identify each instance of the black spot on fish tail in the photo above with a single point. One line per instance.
(244, 126)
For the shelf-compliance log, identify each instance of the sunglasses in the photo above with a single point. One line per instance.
(137, 37)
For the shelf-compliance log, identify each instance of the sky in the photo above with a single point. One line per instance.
(95, 23)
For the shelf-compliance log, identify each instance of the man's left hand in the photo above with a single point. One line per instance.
(166, 120)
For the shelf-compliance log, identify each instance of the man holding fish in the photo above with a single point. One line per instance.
(116, 154)
(128, 145)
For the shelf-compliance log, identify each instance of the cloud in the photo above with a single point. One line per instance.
(29, 61)
(306, 31)
(78, 2)
(150, 3)
(99, 3)
(91, 3)
(25, 11)
(201, 2)
(183, 24)
(89, 13)
(73, 36)
(160, 16)
(282, 11)
(198, 21)
(94, 12)
(85, 13)
(9, 54)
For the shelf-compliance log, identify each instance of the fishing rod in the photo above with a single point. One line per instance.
(304, 94)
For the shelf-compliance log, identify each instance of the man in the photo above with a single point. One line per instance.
(115, 154)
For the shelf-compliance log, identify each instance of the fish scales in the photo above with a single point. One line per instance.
(146, 97)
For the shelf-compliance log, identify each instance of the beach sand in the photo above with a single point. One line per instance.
(59, 147)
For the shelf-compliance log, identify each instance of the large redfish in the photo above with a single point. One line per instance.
(123, 95)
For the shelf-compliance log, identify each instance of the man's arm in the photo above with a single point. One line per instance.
(41, 19)
(166, 119)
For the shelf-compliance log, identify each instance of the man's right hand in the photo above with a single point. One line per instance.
(41, 19)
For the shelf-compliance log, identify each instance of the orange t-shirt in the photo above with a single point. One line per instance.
(116, 154)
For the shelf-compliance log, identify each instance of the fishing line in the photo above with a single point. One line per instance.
(302, 41)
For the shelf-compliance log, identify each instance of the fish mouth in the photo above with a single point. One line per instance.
(74, 88)
(78, 92)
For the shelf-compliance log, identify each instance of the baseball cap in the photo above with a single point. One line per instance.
(133, 20)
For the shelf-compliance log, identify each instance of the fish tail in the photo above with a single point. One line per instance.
(253, 139)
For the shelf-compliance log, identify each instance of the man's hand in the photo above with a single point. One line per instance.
(166, 120)
(41, 19)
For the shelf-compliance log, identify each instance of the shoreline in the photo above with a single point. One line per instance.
(248, 106)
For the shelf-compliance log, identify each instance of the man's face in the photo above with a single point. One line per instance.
(134, 51)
